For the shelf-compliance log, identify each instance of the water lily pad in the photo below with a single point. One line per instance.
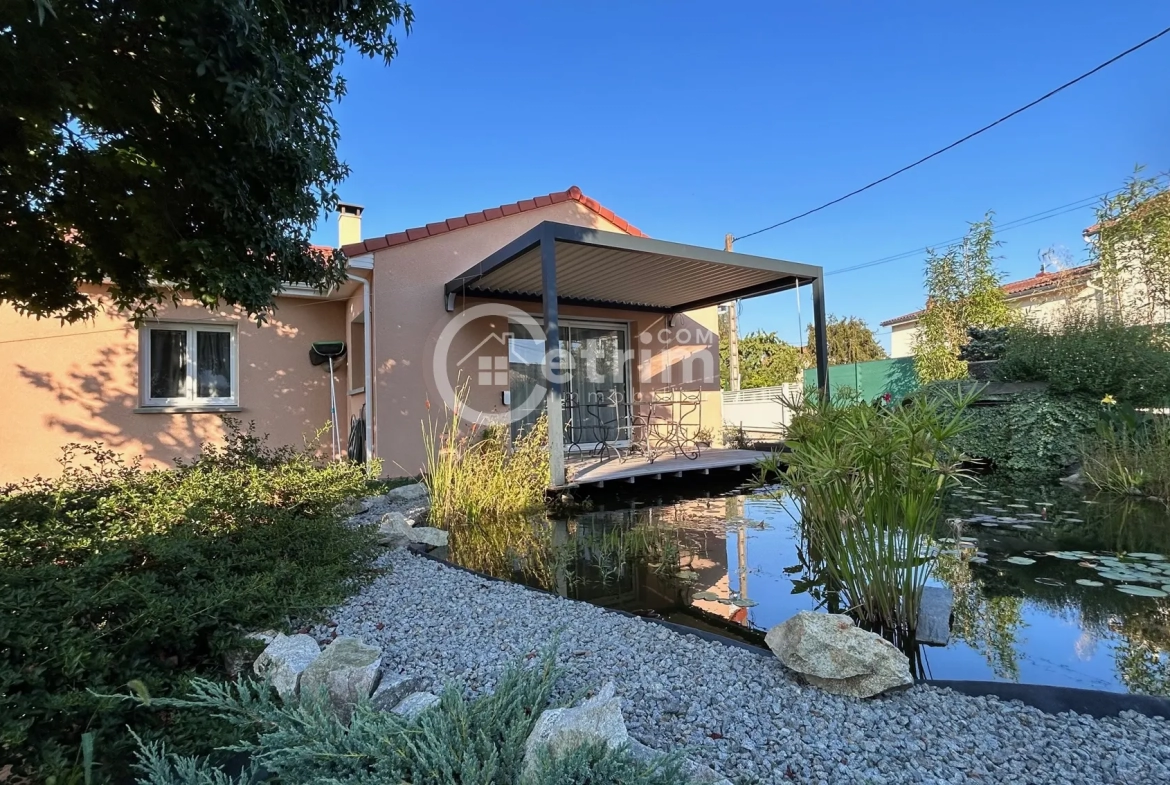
(705, 595)
(1066, 555)
(744, 603)
(686, 575)
(1117, 576)
(1023, 527)
(725, 600)
(1073, 520)
(1020, 506)
(990, 524)
(1147, 556)
(1049, 581)
(1143, 591)
(1087, 582)
(1023, 561)
(978, 560)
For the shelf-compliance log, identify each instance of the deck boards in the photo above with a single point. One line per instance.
(584, 470)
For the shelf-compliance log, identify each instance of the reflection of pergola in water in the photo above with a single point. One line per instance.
(734, 510)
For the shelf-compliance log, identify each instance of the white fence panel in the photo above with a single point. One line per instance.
(761, 409)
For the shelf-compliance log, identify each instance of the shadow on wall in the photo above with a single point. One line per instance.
(83, 387)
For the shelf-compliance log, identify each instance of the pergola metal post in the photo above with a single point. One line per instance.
(821, 337)
(552, 364)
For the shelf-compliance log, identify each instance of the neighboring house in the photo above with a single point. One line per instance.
(1040, 297)
(646, 307)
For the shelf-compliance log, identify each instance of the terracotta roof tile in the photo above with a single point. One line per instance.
(491, 214)
(1041, 280)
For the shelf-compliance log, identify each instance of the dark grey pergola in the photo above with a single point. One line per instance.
(555, 263)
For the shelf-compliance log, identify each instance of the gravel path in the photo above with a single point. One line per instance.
(739, 713)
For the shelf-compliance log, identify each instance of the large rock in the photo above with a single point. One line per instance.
(392, 689)
(346, 671)
(394, 529)
(597, 720)
(427, 535)
(415, 704)
(284, 661)
(838, 657)
(415, 492)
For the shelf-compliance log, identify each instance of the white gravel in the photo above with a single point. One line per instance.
(738, 712)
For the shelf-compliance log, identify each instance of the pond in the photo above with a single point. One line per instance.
(1051, 586)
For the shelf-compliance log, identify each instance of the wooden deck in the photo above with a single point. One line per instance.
(598, 471)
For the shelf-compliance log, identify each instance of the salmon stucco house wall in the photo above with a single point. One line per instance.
(158, 391)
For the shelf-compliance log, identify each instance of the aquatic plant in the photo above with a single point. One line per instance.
(869, 483)
(475, 472)
(1128, 452)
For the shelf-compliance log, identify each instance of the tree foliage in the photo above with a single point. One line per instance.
(962, 291)
(764, 360)
(172, 145)
(850, 341)
(1132, 246)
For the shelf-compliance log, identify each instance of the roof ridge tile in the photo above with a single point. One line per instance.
(414, 233)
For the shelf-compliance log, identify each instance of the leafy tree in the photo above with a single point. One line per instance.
(1133, 248)
(764, 360)
(850, 341)
(962, 291)
(162, 146)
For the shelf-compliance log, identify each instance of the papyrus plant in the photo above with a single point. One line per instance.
(869, 481)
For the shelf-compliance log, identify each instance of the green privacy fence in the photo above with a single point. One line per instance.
(894, 376)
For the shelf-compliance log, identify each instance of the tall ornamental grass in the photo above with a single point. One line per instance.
(476, 474)
(1128, 452)
(869, 480)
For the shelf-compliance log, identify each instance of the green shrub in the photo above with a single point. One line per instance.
(1091, 357)
(111, 574)
(458, 742)
(1032, 433)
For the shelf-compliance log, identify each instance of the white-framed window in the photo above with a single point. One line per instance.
(189, 365)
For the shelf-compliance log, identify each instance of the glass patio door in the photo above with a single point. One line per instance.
(594, 365)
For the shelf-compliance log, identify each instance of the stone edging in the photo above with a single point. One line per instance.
(1048, 699)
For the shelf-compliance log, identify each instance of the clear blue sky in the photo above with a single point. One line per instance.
(692, 121)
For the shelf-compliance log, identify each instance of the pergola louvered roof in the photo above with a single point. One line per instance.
(609, 269)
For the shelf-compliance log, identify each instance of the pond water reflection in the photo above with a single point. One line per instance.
(732, 563)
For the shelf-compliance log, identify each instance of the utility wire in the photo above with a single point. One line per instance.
(1016, 223)
(955, 144)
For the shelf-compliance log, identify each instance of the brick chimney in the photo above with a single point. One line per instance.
(349, 224)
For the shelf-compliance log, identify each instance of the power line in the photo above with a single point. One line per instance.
(955, 144)
(1016, 223)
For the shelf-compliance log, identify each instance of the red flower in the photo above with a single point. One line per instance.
(886, 397)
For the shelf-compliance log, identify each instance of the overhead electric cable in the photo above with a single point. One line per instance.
(958, 142)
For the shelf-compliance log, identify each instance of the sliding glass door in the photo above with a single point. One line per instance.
(596, 384)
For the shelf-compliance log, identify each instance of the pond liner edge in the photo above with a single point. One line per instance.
(1047, 698)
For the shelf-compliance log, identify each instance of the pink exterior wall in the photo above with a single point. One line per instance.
(79, 383)
(410, 315)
